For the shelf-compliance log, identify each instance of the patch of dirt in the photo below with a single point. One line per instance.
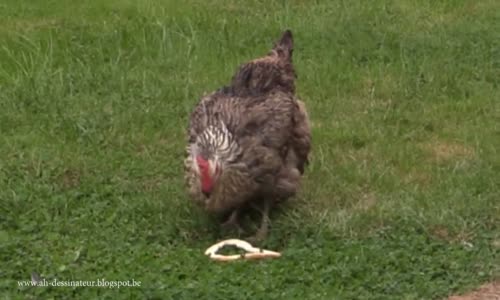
(441, 232)
(367, 201)
(445, 151)
(417, 177)
(462, 237)
(70, 178)
(490, 291)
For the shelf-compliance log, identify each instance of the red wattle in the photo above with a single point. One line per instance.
(206, 179)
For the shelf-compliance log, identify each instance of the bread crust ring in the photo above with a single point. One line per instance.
(253, 253)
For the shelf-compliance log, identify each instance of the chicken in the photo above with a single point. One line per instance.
(248, 143)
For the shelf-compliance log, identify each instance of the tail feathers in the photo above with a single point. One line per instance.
(284, 47)
(274, 71)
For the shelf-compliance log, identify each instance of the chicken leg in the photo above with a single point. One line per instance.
(232, 223)
(263, 230)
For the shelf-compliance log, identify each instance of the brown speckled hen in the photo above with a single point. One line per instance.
(249, 142)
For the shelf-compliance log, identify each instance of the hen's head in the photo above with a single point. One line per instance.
(273, 71)
(214, 150)
(209, 170)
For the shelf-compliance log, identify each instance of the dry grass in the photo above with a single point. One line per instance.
(490, 291)
(442, 151)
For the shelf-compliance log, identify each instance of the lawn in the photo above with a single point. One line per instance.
(401, 199)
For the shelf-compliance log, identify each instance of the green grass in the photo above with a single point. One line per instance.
(404, 99)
